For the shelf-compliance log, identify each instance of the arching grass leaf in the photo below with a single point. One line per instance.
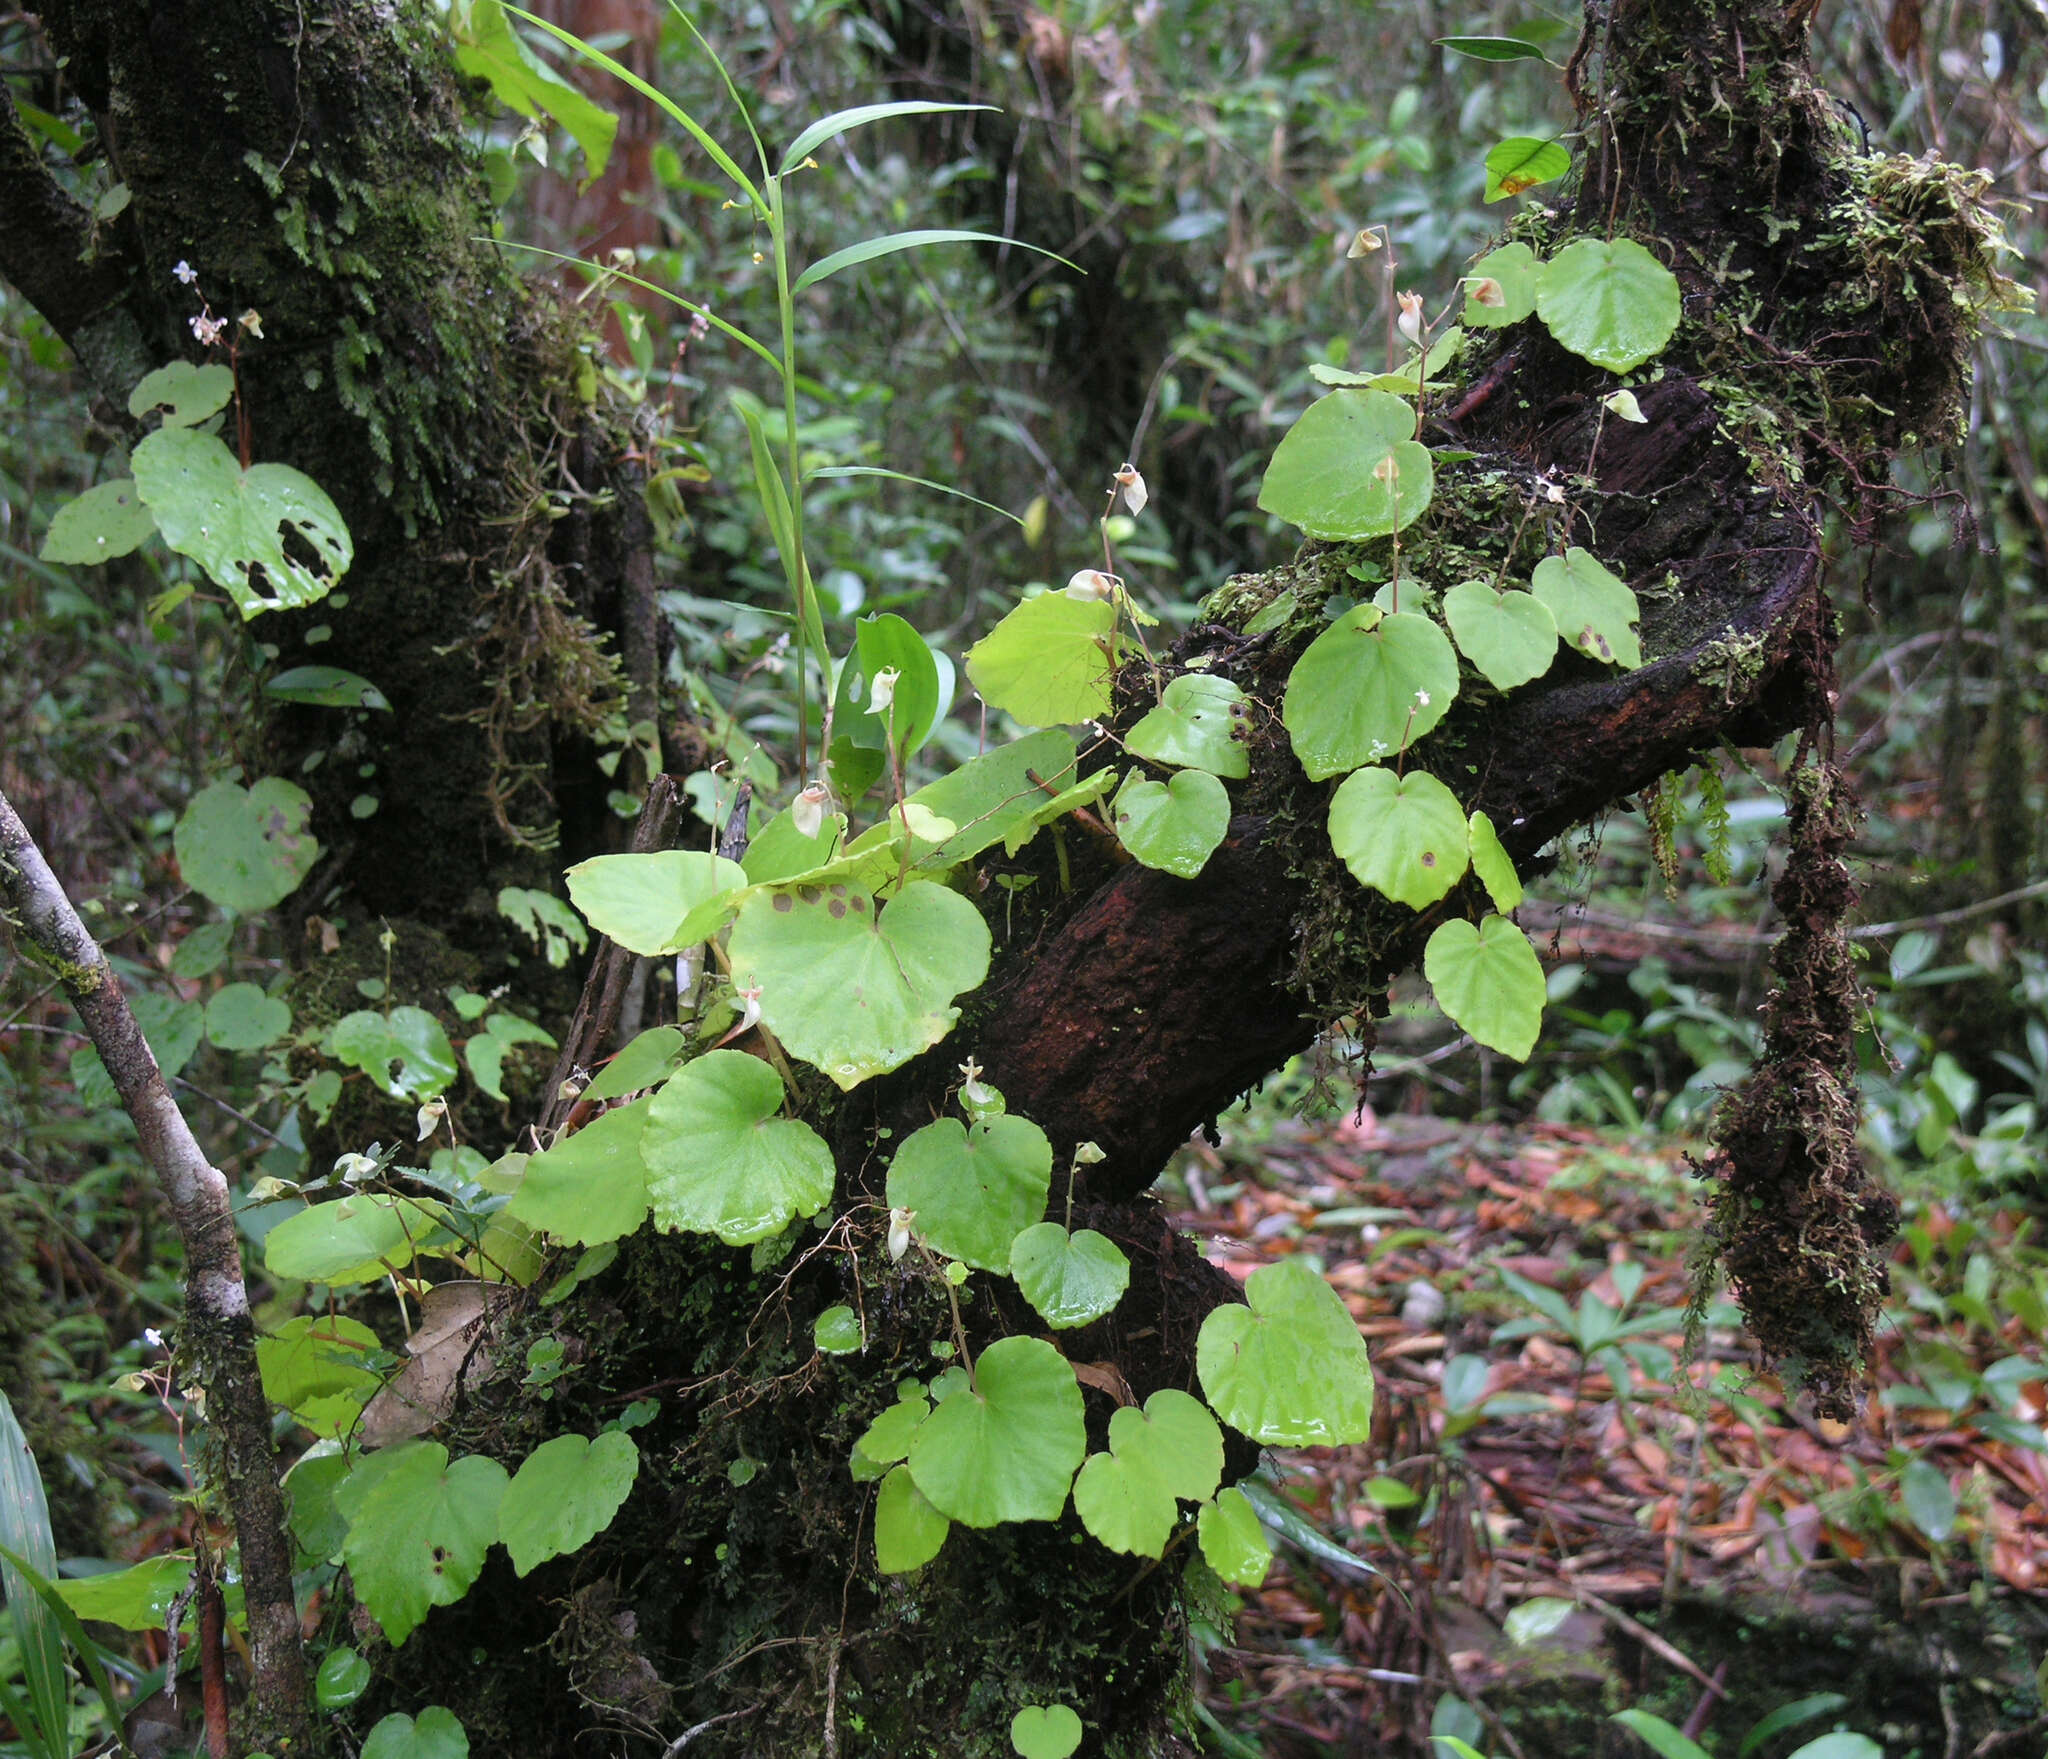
(1350, 468)
(889, 243)
(1174, 825)
(1289, 1369)
(1007, 1448)
(1594, 611)
(1489, 981)
(973, 1188)
(1510, 636)
(908, 1530)
(1404, 836)
(840, 121)
(1071, 1279)
(1609, 301)
(1048, 663)
(564, 1494)
(1365, 687)
(1198, 725)
(719, 1158)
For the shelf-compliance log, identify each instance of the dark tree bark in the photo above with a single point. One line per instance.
(314, 170)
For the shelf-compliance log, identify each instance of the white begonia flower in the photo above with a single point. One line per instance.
(1422, 699)
(1409, 323)
(352, 1167)
(185, 272)
(150, 1335)
(209, 329)
(899, 1232)
(1092, 583)
(882, 690)
(807, 810)
(1133, 486)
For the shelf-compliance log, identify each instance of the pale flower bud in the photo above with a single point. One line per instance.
(252, 321)
(807, 810)
(1092, 583)
(352, 1167)
(430, 1117)
(1133, 486)
(1624, 404)
(1388, 470)
(1485, 290)
(1409, 323)
(882, 691)
(1365, 242)
(899, 1232)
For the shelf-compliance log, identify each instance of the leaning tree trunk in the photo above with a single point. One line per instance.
(1827, 300)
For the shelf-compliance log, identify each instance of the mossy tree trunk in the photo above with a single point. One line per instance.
(311, 166)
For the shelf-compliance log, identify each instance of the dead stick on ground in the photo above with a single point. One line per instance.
(218, 1332)
(1649, 1639)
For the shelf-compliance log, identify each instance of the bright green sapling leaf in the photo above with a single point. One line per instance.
(1233, 1542)
(1367, 687)
(1007, 1447)
(1198, 725)
(240, 1017)
(246, 848)
(1048, 663)
(1492, 48)
(650, 1059)
(317, 1367)
(485, 1051)
(418, 1528)
(1492, 864)
(1289, 1369)
(491, 49)
(326, 687)
(108, 520)
(1174, 825)
(973, 1188)
(1070, 1279)
(1405, 836)
(656, 903)
(590, 1187)
(994, 796)
(182, 393)
(719, 1158)
(1171, 1452)
(1510, 636)
(1045, 1731)
(852, 987)
(230, 520)
(837, 1331)
(1595, 612)
(437, 1734)
(1512, 269)
(782, 851)
(1350, 468)
(1488, 980)
(355, 1239)
(565, 1494)
(1522, 163)
(908, 1530)
(405, 1052)
(344, 1676)
(1609, 301)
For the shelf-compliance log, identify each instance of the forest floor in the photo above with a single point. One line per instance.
(1528, 1547)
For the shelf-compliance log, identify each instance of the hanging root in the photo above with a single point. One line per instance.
(1795, 1221)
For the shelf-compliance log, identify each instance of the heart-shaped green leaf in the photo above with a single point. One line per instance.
(1197, 726)
(656, 903)
(851, 988)
(1594, 611)
(564, 1494)
(887, 1439)
(317, 1367)
(1609, 301)
(1492, 864)
(973, 1188)
(1521, 163)
(418, 1528)
(590, 1187)
(488, 1047)
(182, 393)
(406, 1052)
(108, 520)
(1234, 1544)
(908, 1530)
(1290, 1369)
(355, 1239)
(1510, 636)
(1404, 836)
(1170, 1452)
(1366, 688)
(240, 1017)
(1174, 825)
(436, 1735)
(1071, 1279)
(246, 849)
(1048, 663)
(1350, 468)
(1006, 1448)
(837, 1331)
(1512, 269)
(1045, 1731)
(1489, 981)
(719, 1158)
(921, 694)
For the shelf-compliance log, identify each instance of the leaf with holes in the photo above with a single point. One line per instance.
(1234, 1544)
(418, 1528)
(1365, 688)
(108, 520)
(1402, 835)
(1198, 725)
(908, 1530)
(1007, 1447)
(1594, 611)
(1071, 1279)
(1169, 1453)
(853, 987)
(1609, 301)
(1488, 980)
(1173, 825)
(1048, 663)
(719, 1158)
(182, 393)
(233, 522)
(590, 1187)
(1521, 163)
(1289, 1369)
(565, 1494)
(406, 1052)
(1350, 468)
(246, 848)
(1511, 637)
(973, 1188)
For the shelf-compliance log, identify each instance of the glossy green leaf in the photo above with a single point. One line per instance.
(405, 1052)
(649, 1060)
(1492, 864)
(1536, 1620)
(232, 521)
(1595, 612)
(1367, 687)
(590, 1187)
(783, 852)
(108, 520)
(1198, 725)
(436, 1734)
(1660, 1736)
(565, 1494)
(418, 1528)
(720, 1160)
(990, 797)
(888, 244)
(1233, 1542)
(1289, 1369)
(246, 848)
(1520, 163)
(344, 1676)
(1492, 48)
(486, 1051)
(1488, 980)
(973, 1188)
(1405, 836)
(1006, 1448)
(1171, 1452)
(240, 1017)
(853, 988)
(658, 903)
(326, 687)
(889, 643)
(1174, 825)
(1609, 301)
(1070, 1279)
(317, 1367)
(1511, 637)
(830, 127)
(908, 1530)
(887, 1439)
(183, 393)
(1841, 1745)
(138, 1598)
(1930, 1502)
(1048, 663)
(1350, 468)
(1788, 1716)
(837, 1331)
(1513, 267)
(354, 1239)
(1045, 1731)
